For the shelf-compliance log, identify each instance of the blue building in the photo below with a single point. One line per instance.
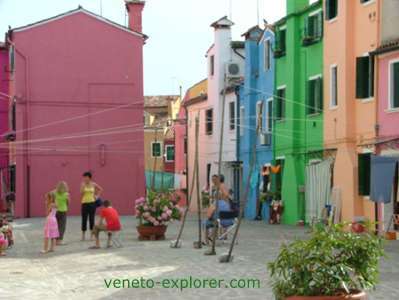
(256, 99)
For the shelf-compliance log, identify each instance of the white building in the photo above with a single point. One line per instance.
(224, 58)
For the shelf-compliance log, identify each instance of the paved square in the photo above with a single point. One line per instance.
(74, 272)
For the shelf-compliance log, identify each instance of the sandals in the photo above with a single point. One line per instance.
(94, 248)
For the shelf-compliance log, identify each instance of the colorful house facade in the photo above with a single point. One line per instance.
(4, 125)
(78, 98)
(256, 104)
(387, 66)
(225, 61)
(159, 140)
(350, 115)
(298, 103)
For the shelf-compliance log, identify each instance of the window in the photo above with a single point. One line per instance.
(333, 86)
(185, 146)
(259, 116)
(279, 175)
(331, 9)
(232, 116)
(267, 54)
(12, 58)
(313, 28)
(212, 64)
(209, 121)
(170, 153)
(364, 174)
(13, 178)
(156, 149)
(270, 115)
(364, 77)
(280, 47)
(315, 95)
(394, 85)
(242, 120)
(280, 103)
(13, 116)
(208, 175)
(365, 1)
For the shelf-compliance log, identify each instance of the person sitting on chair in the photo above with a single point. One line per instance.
(113, 224)
(221, 195)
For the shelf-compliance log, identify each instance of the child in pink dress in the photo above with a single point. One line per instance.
(51, 227)
(3, 244)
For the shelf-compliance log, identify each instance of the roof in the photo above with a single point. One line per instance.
(300, 12)
(159, 101)
(222, 23)
(387, 46)
(197, 93)
(75, 11)
(255, 28)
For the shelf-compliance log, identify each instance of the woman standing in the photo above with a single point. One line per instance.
(89, 191)
(61, 198)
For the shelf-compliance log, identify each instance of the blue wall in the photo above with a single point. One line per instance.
(258, 86)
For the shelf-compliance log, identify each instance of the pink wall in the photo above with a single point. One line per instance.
(180, 135)
(4, 88)
(81, 65)
(388, 120)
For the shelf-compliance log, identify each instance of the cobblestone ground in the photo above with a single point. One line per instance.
(74, 272)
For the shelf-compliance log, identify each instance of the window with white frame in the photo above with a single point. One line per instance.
(394, 85)
(315, 95)
(270, 115)
(232, 115)
(169, 153)
(334, 86)
(267, 54)
(259, 115)
(242, 120)
(156, 149)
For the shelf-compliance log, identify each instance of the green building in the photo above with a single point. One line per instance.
(298, 105)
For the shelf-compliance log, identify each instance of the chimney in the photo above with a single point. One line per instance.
(294, 6)
(134, 9)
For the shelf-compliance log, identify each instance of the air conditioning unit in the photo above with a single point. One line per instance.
(233, 70)
(265, 138)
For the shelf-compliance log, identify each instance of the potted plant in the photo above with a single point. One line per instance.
(154, 213)
(334, 263)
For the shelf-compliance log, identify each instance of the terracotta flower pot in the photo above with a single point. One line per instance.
(354, 296)
(358, 227)
(390, 235)
(151, 233)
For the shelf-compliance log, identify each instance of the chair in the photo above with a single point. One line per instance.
(116, 238)
(227, 221)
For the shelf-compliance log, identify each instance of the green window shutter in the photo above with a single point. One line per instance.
(156, 149)
(320, 95)
(328, 9)
(364, 174)
(371, 76)
(170, 153)
(282, 39)
(362, 77)
(320, 25)
(306, 29)
(270, 115)
(395, 88)
(311, 97)
(282, 103)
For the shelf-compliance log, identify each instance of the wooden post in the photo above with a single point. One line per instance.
(155, 163)
(195, 177)
(242, 206)
(199, 206)
(212, 251)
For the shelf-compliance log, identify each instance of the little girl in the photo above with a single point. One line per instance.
(3, 244)
(51, 226)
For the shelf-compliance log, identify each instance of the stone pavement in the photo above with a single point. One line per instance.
(74, 272)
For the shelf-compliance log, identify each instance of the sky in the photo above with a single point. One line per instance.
(178, 30)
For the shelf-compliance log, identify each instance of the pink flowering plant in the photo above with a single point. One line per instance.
(157, 208)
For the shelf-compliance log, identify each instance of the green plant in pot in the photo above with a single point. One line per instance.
(333, 264)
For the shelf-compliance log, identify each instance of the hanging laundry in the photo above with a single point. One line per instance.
(317, 190)
(382, 177)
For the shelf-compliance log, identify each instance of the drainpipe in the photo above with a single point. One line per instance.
(187, 181)
(238, 165)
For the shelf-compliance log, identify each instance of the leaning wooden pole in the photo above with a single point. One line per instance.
(228, 257)
(212, 251)
(176, 244)
(155, 163)
(198, 245)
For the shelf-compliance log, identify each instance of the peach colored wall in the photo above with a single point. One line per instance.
(352, 34)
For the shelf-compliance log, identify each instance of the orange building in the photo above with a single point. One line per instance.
(350, 117)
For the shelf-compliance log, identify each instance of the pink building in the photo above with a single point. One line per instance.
(77, 82)
(4, 99)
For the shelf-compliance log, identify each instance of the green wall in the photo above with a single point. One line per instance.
(298, 135)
